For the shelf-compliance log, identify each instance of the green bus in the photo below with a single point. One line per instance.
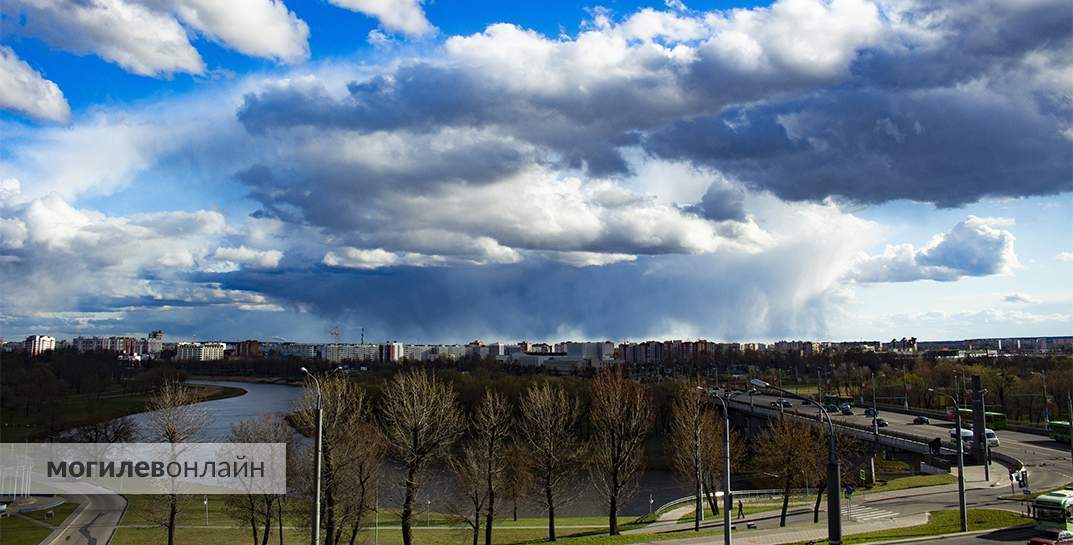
(1053, 511)
(1058, 430)
(995, 421)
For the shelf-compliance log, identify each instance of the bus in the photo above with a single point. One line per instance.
(1058, 430)
(995, 421)
(1053, 511)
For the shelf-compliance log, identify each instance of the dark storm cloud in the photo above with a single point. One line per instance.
(540, 299)
(946, 146)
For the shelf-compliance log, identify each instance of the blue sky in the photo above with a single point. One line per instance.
(449, 170)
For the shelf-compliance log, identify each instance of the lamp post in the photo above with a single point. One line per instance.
(728, 501)
(1046, 399)
(987, 442)
(834, 485)
(961, 461)
(315, 537)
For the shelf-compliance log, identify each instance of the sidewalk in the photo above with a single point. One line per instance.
(813, 532)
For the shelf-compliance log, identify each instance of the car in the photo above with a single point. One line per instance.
(846, 411)
(881, 423)
(785, 403)
(920, 420)
(832, 408)
(775, 405)
(967, 436)
(1064, 538)
(844, 406)
(871, 412)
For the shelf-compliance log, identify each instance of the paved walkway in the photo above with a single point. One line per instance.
(813, 532)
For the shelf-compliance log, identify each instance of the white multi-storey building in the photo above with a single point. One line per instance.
(39, 344)
(200, 351)
(391, 352)
(338, 353)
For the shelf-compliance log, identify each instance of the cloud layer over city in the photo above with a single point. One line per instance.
(657, 172)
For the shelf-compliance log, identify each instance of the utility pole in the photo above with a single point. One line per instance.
(964, 516)
(1070, 399)
(905, 384)
(317, 450)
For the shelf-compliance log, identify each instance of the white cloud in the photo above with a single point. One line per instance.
(974, 247)
(1064, 256)
(259, 28)
(141, 40)
(262, 259)
(24, 90)
(146, 37)
(404, 16)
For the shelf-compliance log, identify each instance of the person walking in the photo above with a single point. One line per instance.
(741, 510)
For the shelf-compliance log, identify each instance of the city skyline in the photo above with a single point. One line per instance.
(631, 169)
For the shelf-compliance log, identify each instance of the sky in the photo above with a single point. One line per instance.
(450, 170)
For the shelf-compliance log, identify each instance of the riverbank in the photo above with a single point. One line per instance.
(250, 380)
(77, 411)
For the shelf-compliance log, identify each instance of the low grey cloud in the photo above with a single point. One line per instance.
(1020, 298)
(974, 247)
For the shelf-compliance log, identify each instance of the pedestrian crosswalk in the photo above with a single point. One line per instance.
(862, 513)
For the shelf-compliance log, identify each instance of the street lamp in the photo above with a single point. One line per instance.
(728, 501)
(961, 459)
(834, 485)
(315, 537)
(1046, 400)
(987, 444)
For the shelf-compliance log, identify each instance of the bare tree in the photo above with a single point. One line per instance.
(491, 431)
(518, 479)
(788, 450)
(173, 418)
(549, 426)
(712, 454)
(352, 448)
(621, 417)
(688, 440)
(421, 422)
(257, 509)
(116, 430)
(469, 472)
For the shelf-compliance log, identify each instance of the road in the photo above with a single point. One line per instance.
(1048, 462)
(996, 537)
(93, 523)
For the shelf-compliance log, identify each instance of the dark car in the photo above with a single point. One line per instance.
(870, 412)
(921, 420)
(785, 403)
(831, 408)
(881, 423)
(846, 411)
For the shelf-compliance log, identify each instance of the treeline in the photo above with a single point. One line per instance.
(31, 386)
(537, 443)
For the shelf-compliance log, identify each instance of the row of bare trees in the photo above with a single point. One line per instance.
(499, 451)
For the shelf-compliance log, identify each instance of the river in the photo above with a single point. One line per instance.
(270, 399)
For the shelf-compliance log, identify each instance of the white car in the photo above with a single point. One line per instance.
(967, 436)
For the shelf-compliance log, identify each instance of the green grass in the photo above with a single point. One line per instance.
(941, 522)
(81, 410)
(891, 466)
(916, 481)
(17, 531)
(60, 513)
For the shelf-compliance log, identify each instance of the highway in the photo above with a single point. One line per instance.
(1048, 462)
(93, 523)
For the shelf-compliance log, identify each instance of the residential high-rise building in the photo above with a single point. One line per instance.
(200, 351)
(39, 344)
